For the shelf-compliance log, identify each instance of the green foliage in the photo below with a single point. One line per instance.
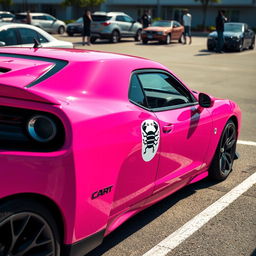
(205, 4)
(83, 3)
(6, 3)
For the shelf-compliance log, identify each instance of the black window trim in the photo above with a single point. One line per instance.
(154, 70)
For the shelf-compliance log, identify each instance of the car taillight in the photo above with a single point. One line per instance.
(105, 23)
(28, 130)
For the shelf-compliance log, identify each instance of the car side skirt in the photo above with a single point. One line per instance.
(84, 246)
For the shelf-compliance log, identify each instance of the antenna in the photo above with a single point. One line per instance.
(36, 44)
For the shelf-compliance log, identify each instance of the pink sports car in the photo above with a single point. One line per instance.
(88, 139)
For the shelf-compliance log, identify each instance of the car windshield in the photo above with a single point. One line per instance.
(162, 23)
(231, 27)
(100, 17)
(80, 20)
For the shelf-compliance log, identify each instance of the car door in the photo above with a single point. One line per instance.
(185, 128)
(122, 24)
(8, 37)
(137, 173)
(131, 26)
(176, 30)
(27, 37)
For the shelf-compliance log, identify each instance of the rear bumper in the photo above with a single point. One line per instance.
(101, 35)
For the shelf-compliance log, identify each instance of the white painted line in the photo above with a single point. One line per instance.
(180, 235)
(245, 142)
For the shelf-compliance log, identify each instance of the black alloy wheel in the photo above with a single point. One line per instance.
(241, 45)
(27, 229)
(225, 153)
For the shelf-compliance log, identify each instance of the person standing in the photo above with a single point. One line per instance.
(87, 19)
(145, 19)
(220, 21)
(28, 18)
(187, 18)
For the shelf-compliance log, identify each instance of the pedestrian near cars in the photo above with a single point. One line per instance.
(187, 18)
(145, 19)
(87, 19)
(220, 21)
(28, 18)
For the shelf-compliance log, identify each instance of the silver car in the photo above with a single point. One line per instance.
(43, 21)
(114, 26)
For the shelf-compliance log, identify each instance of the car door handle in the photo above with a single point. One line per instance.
(168, 128)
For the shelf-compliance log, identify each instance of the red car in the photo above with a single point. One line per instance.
(163, 31)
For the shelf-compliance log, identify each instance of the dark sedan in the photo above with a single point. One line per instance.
(237, 37)
(75, 27)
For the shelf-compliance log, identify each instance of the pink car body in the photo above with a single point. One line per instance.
(97, 173)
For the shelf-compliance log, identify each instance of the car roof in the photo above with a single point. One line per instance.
(33, 13)
(109, 13)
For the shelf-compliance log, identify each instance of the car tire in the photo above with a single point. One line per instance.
(115, 37)
(240, 46)
(223, 159)
(168, 39)
(70, 34)
(61, 30)
(93, 39)
(181, 39)
(137, 37)
(210, 48)
(251, 47)
(30, 227)
(144, 41)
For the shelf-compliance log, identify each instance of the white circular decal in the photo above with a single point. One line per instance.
(150, 139)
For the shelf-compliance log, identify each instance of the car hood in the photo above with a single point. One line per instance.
(226, 34)
(156, 29)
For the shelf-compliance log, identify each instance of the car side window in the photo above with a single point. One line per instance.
(49, 18)
(120, 18)
(136, 93)
(128, 19)
(9, 37)
(162, 90)
(28, 35)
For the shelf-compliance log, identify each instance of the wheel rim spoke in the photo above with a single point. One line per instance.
(26, 234)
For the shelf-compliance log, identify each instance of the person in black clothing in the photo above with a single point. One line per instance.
(87, 19)
(145, 19)
(220, 21)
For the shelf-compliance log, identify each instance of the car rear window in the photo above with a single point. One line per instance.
(100, 17)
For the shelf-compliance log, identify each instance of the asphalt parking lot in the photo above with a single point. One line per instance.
(232, 232)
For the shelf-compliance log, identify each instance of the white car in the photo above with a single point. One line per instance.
(42, 20)
(23, 35)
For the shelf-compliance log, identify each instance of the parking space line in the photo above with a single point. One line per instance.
(180, 235)
(246, 142)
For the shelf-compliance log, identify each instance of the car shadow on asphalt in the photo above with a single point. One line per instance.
(143, 218)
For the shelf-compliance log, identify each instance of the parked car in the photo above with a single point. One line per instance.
(237, 37)
(44, 21)
(163, 31)
(88, 139)
(114, 26)
(6, 16)
(23, 35)
(75, 27)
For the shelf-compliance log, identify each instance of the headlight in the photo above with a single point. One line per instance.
(42, 128)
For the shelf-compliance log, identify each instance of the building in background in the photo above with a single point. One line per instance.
(237, 10)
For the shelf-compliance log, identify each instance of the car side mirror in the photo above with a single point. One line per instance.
(2, 43)
(205, 100)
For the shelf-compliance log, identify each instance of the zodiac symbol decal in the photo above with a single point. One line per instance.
(150, 139)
